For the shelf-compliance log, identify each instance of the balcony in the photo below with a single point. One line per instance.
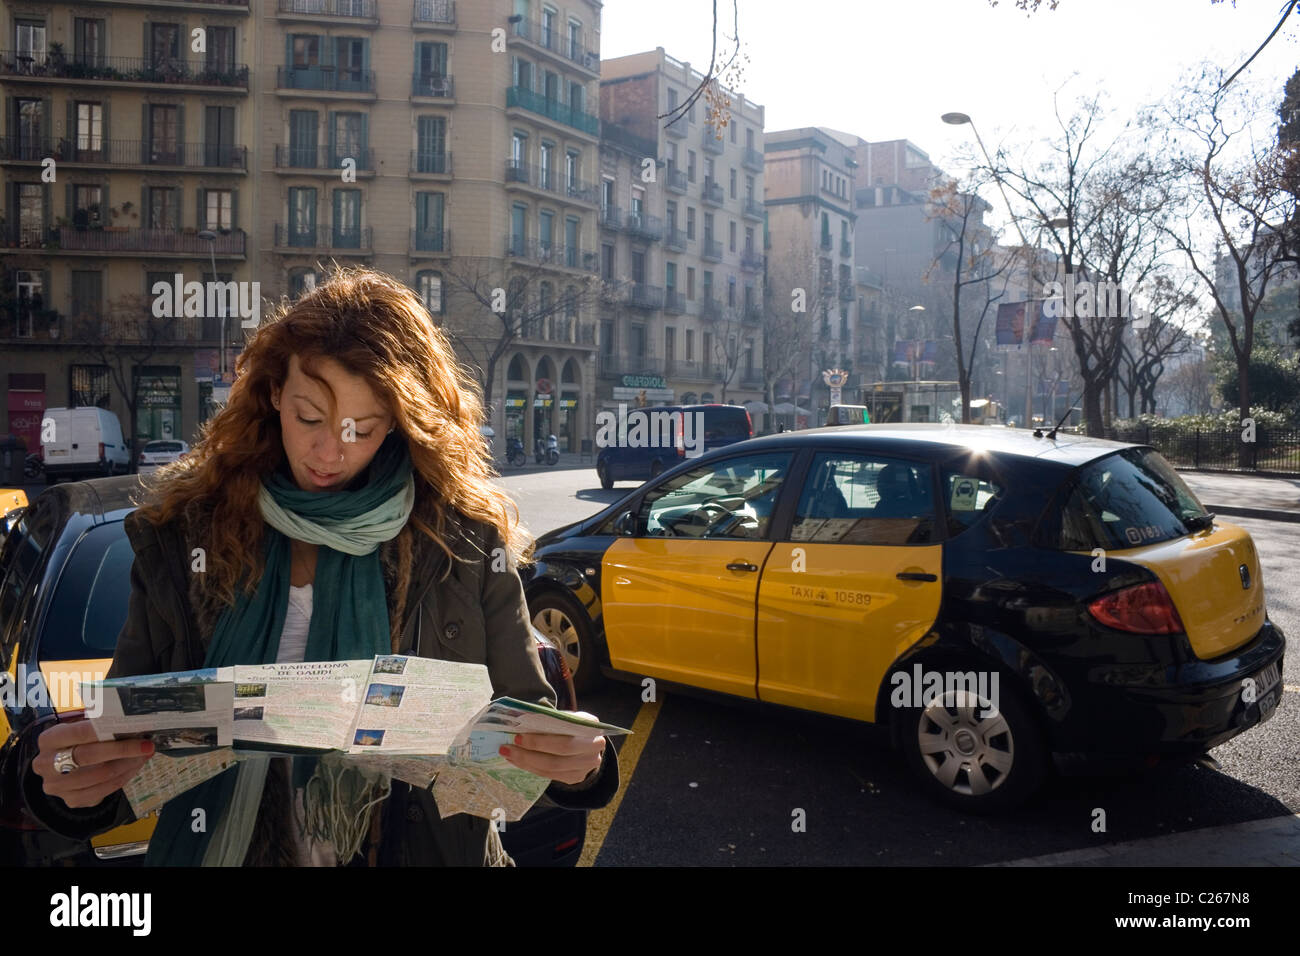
(677, 127)
(433, 14)
(552, 253)
(711, 250)
(675, 240)
(437, 87)
(676, 180)
(752, 159)
(430, 240)
(424, 163)
(710, 307)
(287, 240)
(119, 239)
(128, 152)
(518, 97)
(346, 12)
(325, 79)
(642, 296)
(674, 302)
(643, 226)
(827, 243)
(119, 70)
(711, 193)
(611, 217)
(550, 180)
(711, 142)
(846, 248)
(240, 6)
(321, 158)
(752, 209)
(554, 39)
(751, 261)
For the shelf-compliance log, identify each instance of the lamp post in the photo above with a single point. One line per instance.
(211, 238)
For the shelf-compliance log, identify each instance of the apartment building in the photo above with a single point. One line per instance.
(452, 145)
(126, 157)
(809, 181)
(695, 335)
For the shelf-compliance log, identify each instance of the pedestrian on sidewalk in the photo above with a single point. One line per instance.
(340, 497)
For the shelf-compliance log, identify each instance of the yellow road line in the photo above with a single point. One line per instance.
(599, 821)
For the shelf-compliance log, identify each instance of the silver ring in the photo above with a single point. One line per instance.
(64, 762)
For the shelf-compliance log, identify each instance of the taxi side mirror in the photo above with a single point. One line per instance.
(625, 524)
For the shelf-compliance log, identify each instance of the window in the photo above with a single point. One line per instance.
(670, 276)
(301, 281)
(670, 211)
(219, 136)
(638, 202)
(347, 219)
(708, 227)
(572, 167)
(577, 97)
(860, 499)
(606, 337)
(710, 171)
(690, 345)
(732, 177)
(429, 286)
(88, 41)
(302, 138)
(548, 38)
(690, 165)
(749, 188)
(575, 40)
(164, 135)
(431, 149)
(733, 132)
(29, 41)
(302, 216)
(91, 384)
(749, 240)
(220, 56)
(607, 262)
(706, 351)
(731, 291)
(430, 65)
(518, 218)
(87, 208)
(670, 344)
(87, 294)
(690, 222)
(31, 214)
(430, 212)
(545, 231)
(349, 62)
(164, 45)
(638, 267)
(305, 51)
(164, 208)
(732, 498)
(544, 165)
(349, 139)
(731, 236)
(690, 283)
(31, 129)
(90, 127)
(749, 139)
(29, 288)
(519, 150)
(551, 86)
(606, 195)
(571, 249)
(523, 74)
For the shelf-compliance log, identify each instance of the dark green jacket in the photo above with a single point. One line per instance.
(474, 614)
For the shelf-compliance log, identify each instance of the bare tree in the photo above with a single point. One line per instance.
(1237, 203)
(793, 296)
(494, 303)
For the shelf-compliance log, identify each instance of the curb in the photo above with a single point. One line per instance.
(1264, 513)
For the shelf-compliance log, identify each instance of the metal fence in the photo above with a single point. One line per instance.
(1274, 451)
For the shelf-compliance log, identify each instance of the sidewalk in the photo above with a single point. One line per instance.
(1274, 841)
(1246, 496)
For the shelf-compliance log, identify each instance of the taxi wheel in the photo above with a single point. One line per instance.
(561, 619)
(974, 754)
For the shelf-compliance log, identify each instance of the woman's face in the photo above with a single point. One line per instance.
(327, 445)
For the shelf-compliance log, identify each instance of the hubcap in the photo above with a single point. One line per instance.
(966, 743)
(555, 624)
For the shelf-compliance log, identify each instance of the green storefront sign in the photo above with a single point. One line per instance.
(643, 381)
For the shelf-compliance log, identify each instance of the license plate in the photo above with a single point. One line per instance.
(1266, 682)
(55, 452)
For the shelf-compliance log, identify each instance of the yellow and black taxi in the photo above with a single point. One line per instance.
(1004, 600)
(65, 579)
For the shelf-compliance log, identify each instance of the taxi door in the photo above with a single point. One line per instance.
(679, 594)
(857, 582)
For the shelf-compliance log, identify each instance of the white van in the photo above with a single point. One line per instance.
(87, 444)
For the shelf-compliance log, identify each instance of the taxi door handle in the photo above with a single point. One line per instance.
(741, 566)
(915, 576)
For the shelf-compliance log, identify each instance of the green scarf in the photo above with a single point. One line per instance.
(349, 621)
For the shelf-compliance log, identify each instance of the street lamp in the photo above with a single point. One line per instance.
(211, 238)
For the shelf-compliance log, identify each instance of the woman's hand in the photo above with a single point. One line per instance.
(556, 756)
(103, 767)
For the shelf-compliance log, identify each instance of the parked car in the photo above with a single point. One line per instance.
(155, 454)
(1099, 609)
(667, 441)
(86, 442)
(65, 579)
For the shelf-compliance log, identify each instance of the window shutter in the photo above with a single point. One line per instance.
(180, 131)
(201, 211)
(234, 209)
(47, 292)
(365, 163)
(70, 130)
(144, 207)
(106, 131)
(47, 123)
(333, 145)
(68, 200)
(179, 196)
(144, 45)
(146, 137)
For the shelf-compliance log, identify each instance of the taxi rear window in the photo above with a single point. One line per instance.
(1126, 500)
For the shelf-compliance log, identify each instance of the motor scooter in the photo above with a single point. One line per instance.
(549, 451)
(515, 453)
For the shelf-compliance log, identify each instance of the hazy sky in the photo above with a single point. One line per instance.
(887, 70)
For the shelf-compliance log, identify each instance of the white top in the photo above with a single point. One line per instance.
(293, 648)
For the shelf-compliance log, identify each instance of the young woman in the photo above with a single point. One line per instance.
(339, 507)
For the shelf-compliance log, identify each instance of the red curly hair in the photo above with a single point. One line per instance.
(376, 328)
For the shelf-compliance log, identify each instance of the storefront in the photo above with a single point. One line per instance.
(157, 403)
(516, 403)
(543, 409)
(26, 404)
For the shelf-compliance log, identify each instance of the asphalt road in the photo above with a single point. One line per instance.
(721, 784)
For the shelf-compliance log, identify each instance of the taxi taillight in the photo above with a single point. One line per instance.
(1141, 609)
